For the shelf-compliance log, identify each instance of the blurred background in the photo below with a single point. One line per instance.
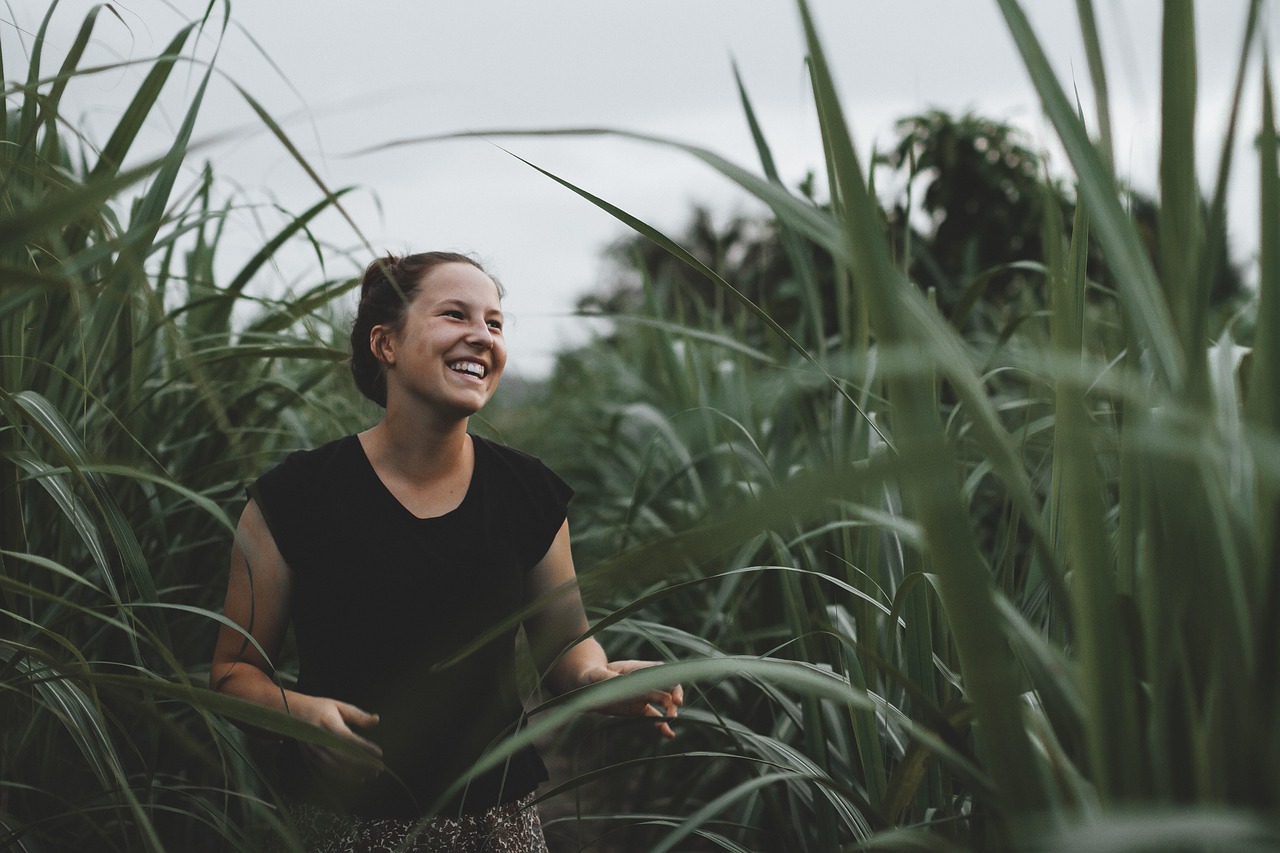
(349, 86)
(921, 398)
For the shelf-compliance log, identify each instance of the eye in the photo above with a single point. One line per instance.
(452, 312)
(495, 324)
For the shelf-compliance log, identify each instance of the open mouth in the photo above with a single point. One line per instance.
(471, 368)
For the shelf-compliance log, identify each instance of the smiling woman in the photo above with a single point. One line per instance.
(391, 550)
(446, 352)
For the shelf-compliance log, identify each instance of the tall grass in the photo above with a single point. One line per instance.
(132, 410)
(923, 595)
(1113, 685)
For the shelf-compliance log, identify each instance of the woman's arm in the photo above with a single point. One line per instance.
(561, 620)
(259, 600)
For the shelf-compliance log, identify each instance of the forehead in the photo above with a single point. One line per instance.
(460, 282)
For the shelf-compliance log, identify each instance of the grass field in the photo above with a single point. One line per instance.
(927, 592)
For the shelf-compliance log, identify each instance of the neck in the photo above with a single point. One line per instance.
(418, 448)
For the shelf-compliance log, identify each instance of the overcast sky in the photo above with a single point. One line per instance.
(344, 77)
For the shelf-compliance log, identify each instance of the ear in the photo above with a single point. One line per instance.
(382, 346)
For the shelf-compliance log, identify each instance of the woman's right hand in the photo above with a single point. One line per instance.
(341, 719)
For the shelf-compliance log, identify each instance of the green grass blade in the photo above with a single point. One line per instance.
(800, 253)
(966, 583)
(1180, 225)
(269, 249)
(1098, 74)
(1262, 409)
(794, 676)
(1106, 669)
(1139, 290)
(63, 439)
(1263, 404)
(330, 196)
(1214, 256)
(49, 215)
(28, 115)
(49, 105)
(126, 131)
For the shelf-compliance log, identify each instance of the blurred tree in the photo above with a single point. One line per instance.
(745, 251)
(984, 191)
(981, 187)
(984, 196)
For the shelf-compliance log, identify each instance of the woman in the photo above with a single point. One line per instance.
(390, 551)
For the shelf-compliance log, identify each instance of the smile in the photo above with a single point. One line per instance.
(471, 368)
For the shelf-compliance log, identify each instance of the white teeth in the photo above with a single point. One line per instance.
(477, 370)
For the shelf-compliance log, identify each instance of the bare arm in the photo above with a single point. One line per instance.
(259, 600)
(562, 620)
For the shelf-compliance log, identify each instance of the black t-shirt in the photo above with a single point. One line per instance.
(381, 597)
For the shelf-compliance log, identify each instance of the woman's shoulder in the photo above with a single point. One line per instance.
(505, 453)
(502, 462)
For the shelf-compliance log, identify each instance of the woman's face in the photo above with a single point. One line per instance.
(449, 353)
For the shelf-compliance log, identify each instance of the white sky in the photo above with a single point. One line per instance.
(343, 77)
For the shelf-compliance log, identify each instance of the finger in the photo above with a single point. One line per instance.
(677, 694)
(622, 667)
(664, 700)
(663, 727)
(354, 716)
(342, 731)
(349, 715)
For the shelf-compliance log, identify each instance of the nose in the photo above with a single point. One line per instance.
(480, 335)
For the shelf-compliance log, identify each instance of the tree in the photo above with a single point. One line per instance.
(982, 189)
(984, 195)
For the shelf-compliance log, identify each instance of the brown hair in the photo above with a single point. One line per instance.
(386, 289)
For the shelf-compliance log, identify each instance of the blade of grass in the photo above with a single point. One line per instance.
(1139, 290)
(798, 251)
(1106, 674)
(1180, 225)
(966, 584)
(1098, 74)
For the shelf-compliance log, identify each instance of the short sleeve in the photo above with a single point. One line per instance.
(275, 493)
(548, 517)
(287, 495)
(534, 500)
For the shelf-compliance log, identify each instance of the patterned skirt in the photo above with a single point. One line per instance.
(509, 828)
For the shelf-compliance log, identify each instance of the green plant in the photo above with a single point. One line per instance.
(791, 504)
(815, 503)
(132, 410)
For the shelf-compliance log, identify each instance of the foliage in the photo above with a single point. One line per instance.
(983, 194)
(814, 493)
(132, 409)
(780, 488)
(974, 243)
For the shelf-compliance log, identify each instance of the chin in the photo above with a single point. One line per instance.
(468, 408)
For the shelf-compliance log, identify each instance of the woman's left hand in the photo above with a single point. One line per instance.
(655, 703)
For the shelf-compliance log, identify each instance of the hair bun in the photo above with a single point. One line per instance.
(378, 272)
